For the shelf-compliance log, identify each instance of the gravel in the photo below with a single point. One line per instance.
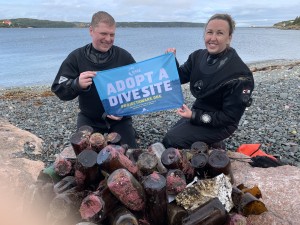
(272, 120)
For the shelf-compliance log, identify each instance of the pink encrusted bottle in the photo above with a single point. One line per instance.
(127, 189)
(112, 158)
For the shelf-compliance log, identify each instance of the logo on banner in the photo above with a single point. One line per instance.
(148, 86)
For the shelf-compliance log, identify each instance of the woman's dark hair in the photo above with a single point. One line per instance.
(225, 17)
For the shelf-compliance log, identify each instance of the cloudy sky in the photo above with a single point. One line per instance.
(245, 12)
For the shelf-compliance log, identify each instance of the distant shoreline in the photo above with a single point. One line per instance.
(36, 23)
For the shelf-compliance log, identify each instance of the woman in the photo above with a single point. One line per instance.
(221, 83)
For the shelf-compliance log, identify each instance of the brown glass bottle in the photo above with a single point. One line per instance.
(175, 214)
(97, 142)
(199, 162)
(211, 212)
(87, 164)
(80, 141)
(219, 162)
(158, 148)
(122, 216)
(199, 146)
(147, 163)
(156, 203)
(173, 158)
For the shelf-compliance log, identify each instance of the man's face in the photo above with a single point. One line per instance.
(103, 36)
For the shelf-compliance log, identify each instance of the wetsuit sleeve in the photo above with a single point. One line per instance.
(65, 84)
(185, 69)
(236, 97)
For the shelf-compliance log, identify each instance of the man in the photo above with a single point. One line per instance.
(75, 78)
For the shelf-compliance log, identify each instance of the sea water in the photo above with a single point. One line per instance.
(32, 56)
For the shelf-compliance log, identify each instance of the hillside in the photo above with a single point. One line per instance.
(34, 23)
(289, 25)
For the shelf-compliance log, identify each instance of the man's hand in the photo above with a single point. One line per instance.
(114, 117)
(86, 79)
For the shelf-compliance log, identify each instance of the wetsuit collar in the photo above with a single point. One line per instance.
(213, 58)
(97, 56)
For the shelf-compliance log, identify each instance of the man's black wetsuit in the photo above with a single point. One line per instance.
(92, 113)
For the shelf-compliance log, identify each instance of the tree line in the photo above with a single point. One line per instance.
(35, 23)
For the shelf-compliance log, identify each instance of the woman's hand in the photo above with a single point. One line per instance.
(114, 117)
(173, 50)
(184, 111)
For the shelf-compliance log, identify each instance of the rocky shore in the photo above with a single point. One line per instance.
(272, 120)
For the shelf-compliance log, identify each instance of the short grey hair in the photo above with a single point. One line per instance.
(102, 17)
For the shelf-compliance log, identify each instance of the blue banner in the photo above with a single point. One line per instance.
(144, 87)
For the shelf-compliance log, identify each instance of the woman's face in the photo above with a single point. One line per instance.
(217, 37)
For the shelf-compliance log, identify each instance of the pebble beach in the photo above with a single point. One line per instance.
(273, 119)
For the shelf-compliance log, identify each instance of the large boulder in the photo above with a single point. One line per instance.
(16, 170)
(279, 187)
(17, 173)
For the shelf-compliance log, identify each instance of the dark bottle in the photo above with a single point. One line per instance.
(64, 207)
(147, 163)
(198, 147)
(97, 142)
(156, 203)
(87, 130)
(219, 162)
(173, 158)
(65, 184)
(113, 138)
(122, 216)
(210, 213)
(134, 153)
(199, 162)
(236, 196)
(175, 214)
(87, 166)
(80, 141)
(158, 148)
(63, 166)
